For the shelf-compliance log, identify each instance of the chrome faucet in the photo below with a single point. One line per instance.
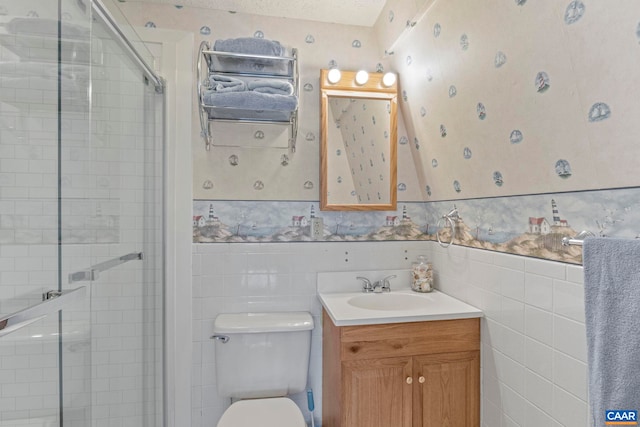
(383, 285)
(377, 287)
(366, 284)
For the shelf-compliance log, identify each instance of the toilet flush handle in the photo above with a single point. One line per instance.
(223, 338)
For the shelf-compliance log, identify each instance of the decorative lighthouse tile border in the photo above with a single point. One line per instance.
(531, 225)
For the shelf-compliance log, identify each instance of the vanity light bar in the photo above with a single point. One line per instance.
(361, 78)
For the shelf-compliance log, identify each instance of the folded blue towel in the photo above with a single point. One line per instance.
(250, 45)
(251, 100)
(252, 66)
(220, 83)
(612, 310)
(276, 87)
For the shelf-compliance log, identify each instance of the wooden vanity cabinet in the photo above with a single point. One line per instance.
(418, 374)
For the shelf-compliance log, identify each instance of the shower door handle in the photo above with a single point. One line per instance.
(53, 301)
(93, 272)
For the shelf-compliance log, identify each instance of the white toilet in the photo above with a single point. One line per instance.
(260, 359)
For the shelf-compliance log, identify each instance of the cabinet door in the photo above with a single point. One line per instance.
(447, 390)
(377, 392)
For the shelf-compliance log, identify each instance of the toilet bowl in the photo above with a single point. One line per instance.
(269, 412)
(260, 359)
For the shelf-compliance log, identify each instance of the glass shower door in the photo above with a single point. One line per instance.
(45, 331)
(119, 198)
(80, 222)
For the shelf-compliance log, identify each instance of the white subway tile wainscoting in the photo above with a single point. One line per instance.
(533, 346)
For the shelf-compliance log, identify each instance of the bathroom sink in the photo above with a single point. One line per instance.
(388, 301)
(341, 296)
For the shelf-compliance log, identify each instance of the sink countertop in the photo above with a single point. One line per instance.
(335, 289)
(437, 305)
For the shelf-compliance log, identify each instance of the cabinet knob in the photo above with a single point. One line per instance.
(421, 380)
(409, 380)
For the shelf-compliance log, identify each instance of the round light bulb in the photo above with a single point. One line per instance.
(362, 77)
(388, 79)
(334, 76)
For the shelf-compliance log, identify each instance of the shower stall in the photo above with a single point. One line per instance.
(81, 219)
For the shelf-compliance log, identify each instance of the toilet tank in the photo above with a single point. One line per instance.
(262, 354)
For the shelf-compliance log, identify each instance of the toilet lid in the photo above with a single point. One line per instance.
(272, 412)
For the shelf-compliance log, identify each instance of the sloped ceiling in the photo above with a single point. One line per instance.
(349, 12)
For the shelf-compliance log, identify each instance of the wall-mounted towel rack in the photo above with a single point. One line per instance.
(578, 239)
(232, 106)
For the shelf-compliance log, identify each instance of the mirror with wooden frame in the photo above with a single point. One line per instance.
(358, 150)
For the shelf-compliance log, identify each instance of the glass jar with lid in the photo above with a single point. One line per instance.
(421, 275)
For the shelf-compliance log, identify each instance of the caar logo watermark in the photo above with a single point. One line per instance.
(621, 418)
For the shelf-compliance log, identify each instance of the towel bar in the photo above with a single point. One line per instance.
(578, 240)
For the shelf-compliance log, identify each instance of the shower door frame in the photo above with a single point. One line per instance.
(177, 69)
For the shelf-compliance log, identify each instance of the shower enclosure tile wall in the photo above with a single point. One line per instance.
(80, 184)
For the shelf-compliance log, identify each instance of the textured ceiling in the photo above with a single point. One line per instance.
(350, 12)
